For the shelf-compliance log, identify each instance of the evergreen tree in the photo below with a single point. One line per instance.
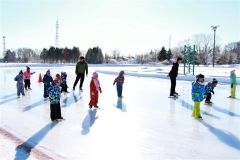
(162, 55)
(94, 55)
(169, 54)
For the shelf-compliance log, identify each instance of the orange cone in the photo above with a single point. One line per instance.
(40, 78)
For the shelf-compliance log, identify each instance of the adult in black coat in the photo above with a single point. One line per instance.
(173, 75)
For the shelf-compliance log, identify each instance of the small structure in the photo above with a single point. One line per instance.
(189, 59)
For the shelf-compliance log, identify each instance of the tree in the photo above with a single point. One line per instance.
(162, 55)
(94, 55)
(169, 54)
(10, 56)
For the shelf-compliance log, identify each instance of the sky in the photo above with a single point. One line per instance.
(130, 26)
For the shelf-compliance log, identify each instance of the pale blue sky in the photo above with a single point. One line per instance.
(130, 26)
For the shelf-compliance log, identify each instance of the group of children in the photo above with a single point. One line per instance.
(201, 92)
(23, 76)
(53, 89)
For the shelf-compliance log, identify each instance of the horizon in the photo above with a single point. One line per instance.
(135, 26)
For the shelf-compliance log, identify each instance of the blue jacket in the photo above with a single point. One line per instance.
(198, 91)
(54, 94)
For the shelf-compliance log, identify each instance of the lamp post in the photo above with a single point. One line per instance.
(214, 29)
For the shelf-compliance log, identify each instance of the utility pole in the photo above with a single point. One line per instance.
(169, 41)
(214, 29)
(57, 35)
(4, 45)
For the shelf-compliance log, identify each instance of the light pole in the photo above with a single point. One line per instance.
(4, 45)
(214, 29)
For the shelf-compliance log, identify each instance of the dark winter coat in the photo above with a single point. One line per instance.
(174, 71)
(210, 87)
(47, 79)
(81, 67)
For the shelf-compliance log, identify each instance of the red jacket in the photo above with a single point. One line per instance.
(93, 87)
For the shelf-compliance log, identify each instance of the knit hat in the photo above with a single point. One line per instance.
(21, 72)
(121, 73)
(199, 76)
(94, 75)
(232, 71)
(214, 81)
(81, 57)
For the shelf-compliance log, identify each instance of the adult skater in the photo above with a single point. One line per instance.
(173, 75)
(27, 75)
(47, 80)
(80, 70)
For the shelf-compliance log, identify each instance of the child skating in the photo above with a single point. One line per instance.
(54, 97)
(64, 82)
(27, 76)
(198, 91)
(94, 91)
(47, 80)
(233, 81)
(119, 80)
(20, 87)
(209, 88)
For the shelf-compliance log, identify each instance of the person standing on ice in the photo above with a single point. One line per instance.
(119, 80)
(94, 89)
(81, 69)
(54, 97)
(198, 92)
(20, 86)
(233, 81)
(64, 85)
(27, 75)
(173, 75)
(47, 80)
(210, 90)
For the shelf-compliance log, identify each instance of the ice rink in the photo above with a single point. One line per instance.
(144, 125)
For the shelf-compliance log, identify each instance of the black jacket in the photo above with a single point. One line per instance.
(174, 71)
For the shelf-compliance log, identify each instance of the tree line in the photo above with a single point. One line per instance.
(203, 43)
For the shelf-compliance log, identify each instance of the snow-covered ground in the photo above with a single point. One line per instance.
(145, 124)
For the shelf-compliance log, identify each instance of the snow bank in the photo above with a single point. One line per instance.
(221, 79)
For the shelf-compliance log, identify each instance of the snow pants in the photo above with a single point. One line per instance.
(233, 90)
(94, 99)
(20, 89)
(208, 97)
(64, 87)
(196, 110)
(55, 111)
(45, 94)
(119, 90)
(27, 83)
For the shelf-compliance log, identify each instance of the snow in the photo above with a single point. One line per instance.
(145, 124)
